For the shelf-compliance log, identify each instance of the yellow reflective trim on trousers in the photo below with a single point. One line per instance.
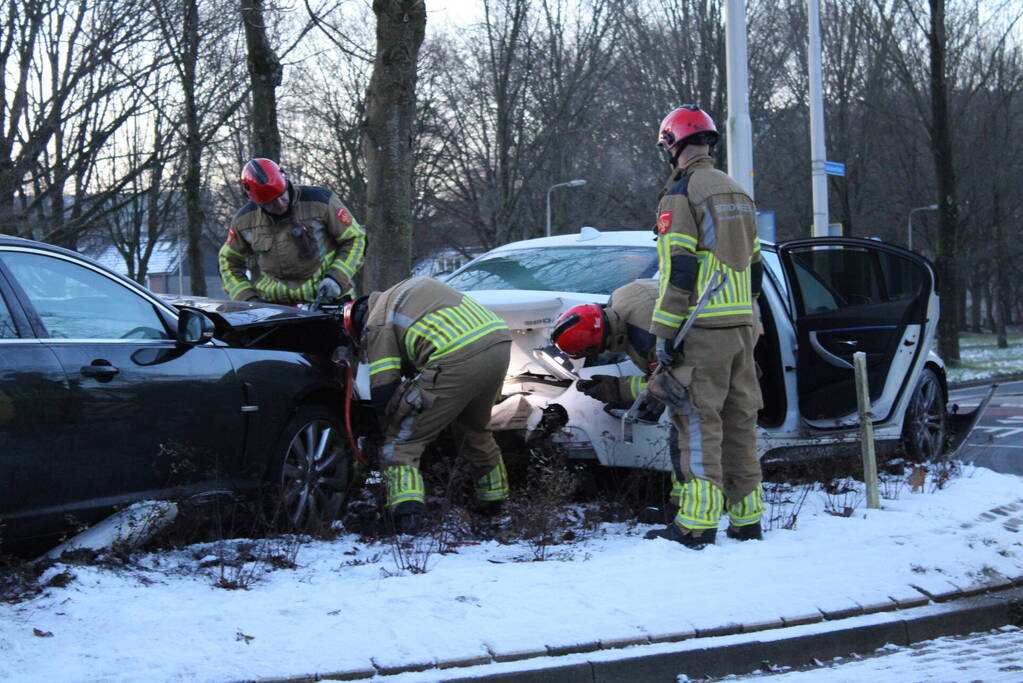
(494, 484)
(701, 506)
(404, 483)
(676, 489)
(749, 510)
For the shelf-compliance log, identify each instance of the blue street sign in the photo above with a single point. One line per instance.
(834, 168)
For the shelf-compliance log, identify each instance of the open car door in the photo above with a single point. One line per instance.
(850, 295)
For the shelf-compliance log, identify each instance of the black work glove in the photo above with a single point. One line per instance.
(665, 354)
(604, 388)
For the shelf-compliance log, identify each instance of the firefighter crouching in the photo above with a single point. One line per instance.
(436, 358)
(306, 243)
(706, 222)
(622, 325)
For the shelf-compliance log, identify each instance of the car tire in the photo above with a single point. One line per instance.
(314, 470)
(925, 425)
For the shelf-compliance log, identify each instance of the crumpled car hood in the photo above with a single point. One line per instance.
(267, 326)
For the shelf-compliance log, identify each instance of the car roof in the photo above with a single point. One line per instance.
(588, 237)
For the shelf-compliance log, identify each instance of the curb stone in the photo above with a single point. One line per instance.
(731, 649)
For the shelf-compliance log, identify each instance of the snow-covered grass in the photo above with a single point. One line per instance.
(982, 362)
(348, 603)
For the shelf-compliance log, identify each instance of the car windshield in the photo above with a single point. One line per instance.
(592, 270)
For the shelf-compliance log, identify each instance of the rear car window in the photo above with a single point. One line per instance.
(593, 270)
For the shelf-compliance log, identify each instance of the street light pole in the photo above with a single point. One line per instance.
(818, 150)
(571, 183)
(909, 222)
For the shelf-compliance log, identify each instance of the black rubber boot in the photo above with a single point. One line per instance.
(489, 508)
(408, 517)
(750, 532)
(697, 541)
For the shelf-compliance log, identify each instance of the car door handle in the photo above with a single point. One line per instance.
(100, 369)
(848, 342)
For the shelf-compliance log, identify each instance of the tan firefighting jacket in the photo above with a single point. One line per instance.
(422, 321)
(705, 222)
(628, 318)
(318, 237)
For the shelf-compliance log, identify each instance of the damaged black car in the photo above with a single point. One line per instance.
(110, 394)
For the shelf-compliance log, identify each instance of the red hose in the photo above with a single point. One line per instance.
(349, 379)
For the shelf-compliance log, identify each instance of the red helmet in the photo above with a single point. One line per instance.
(353, 314)
(263, 180)
(684, 122)
(581, 330)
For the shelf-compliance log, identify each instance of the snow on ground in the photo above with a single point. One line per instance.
(988, 657)
(983, 362)
(347, 602)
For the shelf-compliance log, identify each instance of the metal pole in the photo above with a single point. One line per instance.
(571, 183)
(818, 149)
(549, 209)
(866, 430)
(740, 129)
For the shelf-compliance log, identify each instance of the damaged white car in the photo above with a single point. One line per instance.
(823, 299)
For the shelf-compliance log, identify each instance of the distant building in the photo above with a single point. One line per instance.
(167, 271)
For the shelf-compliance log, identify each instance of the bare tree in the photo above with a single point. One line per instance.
(265, 74)
(203, 47)
(70, 72)
(387, 129)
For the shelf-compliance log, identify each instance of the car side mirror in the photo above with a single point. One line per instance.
(194, 328)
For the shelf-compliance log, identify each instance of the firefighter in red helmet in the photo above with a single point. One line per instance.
(307, 244)
(706, 222)
(590, 329)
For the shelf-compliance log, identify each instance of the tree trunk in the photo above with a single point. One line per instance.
(193, 150)
(948, 214)
(1000, 290)
(265, 73)
(387, 140)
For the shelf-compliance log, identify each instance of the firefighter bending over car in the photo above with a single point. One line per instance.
(436, 358)
(622, 325)
(306, 243)
(706, 222)
(587, 330)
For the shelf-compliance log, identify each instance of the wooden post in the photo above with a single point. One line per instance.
(866, 431)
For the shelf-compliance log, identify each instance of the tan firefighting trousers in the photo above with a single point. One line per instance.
(715, 430)
(455, 391)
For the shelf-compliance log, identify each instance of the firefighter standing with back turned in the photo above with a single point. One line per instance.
(453, 355)
(707, 222)
(306, 243)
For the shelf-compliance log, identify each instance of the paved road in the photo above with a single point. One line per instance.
(997, 442)
(994, 657)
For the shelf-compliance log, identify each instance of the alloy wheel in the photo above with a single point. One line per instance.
(315, 476)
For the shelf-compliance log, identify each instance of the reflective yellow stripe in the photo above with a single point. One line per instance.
(404, 483)
(451, 328)
(493, 485)
(734, 298)
(749, 510)
(391, 363)
(636, 385)
(349, 265)
(701, 506)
